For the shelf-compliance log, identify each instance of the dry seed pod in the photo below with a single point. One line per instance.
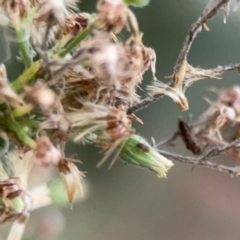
(113, 13)
(187, 136)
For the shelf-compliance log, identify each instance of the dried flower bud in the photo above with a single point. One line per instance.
(46, 153)
(75, 23)
(51, 12)
(118, 124)
(43, 97)
(138, 151)
(113, 122)
(231, 97)
(15, 10)
(159, 88)
(71, 178)
(113, 13)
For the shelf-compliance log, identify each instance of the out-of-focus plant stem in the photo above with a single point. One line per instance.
(75, 42)
(25, 47)
(27, 75)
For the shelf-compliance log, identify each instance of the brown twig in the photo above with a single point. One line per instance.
(210, 73)
(203, 160)
(218, 70)
(210, 11)
(168, 141)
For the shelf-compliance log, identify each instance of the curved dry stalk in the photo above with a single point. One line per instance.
(214, 71)
(209, 12)
(203, 159)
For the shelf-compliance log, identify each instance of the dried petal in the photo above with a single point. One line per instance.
(71, 178)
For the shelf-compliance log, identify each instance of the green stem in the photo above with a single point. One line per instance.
(21, 111)
(25, 47)
(81, 36)
(21, 131)
(27, 75)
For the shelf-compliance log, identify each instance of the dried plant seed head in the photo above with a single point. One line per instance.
(159, 88)
(118, 124)
(42, 96)
(113, 13)
(75, 23)
(46, 153)
(231, 97)
(15, 10)
(51, 12)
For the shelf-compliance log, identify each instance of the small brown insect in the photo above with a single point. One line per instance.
(143, 147)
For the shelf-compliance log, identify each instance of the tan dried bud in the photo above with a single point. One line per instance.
(113, 122)
(71, 178)
(75, 23)
(218, 120)
(113, 13)
(42, 96)
(141, 57)
(159, 88)
(51, 12)
(118, 124)
(46, 153)
(16, 9)
(231, 97)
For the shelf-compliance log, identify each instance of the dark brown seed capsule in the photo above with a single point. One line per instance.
(143, 147)
(185, 132)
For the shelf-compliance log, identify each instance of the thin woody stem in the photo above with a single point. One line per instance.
(209, 12)
(147, 101)
(81, 36)
(203, 160)
(216, 71)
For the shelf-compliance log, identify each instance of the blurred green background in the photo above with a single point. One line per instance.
(130, 203)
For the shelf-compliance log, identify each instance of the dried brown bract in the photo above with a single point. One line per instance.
(75, 23)
(71, 177)
(113, 14)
